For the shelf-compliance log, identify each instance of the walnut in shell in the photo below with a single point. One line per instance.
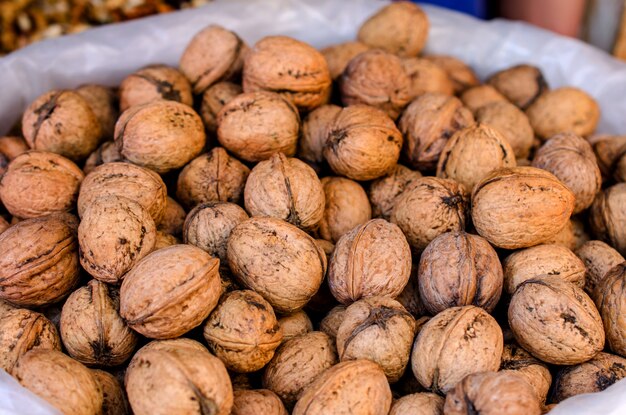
(519, 361)
(520, 84)
(511, 122)
(163, 240)
(410, 296)
(331, 322)
(347, 207)
(260, 401)
(338, 56)
(610, 152)
(103, 102)
(155, 82)
(424, 403)
(607, 214)
(383, 191)
(173, 218)
(598, 258)
(478, 96)
(106, 153)
(427, 76)
(610, 298)
(462, 76)
(313, 134)
(114, 397)
(214, 99)
(295, 324)
(572, 236)
(12, 146)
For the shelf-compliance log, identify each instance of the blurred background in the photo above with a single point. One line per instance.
(599, 22)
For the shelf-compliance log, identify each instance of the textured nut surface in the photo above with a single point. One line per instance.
(610, 297)
(331, 322)
(39, 183)
(520, 84)
(155, 82)
(103, 102)
(424, 403)
(598, 258)
(214, 99)
(338, 56)
(461, 74)
(313, 133)
(295, 324)
(347, 206)
(173, 218)
(607, 214)
(12, 146)
(481, 95)
(520, 207)
(556, 321)
(572, 236)
(610, 151)
(410, 296)
(170, 291)
(511, 122)
(260, 401)
(106, 153)
(427, 76)
(519, 361)
(383, 191)
(114, 397)
(163, 240)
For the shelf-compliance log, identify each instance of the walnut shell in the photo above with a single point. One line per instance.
(423, 403)
(458, 269)
(373, 259)
(155, 82)
(212, 177)
(255, 402)
(103, 102)
(511, 122)
(519, 361)
(410, 296)
(427, 76)
(178, 377)
(114, 397)
(125, 180)
(12, 146)
(39, 183)
(610, 298)
(478, 96)
(462, 75)
(428, 207)
(572, 236)
(214, 99)
(427, 124)
(170, 291)
(520, 207)
(378, 79)
(542, 261)
(39, 262)
(313, 133)
(62, 122)
(61, 381)
(383, 191)
(610, 152)
(22, 330)
(173, 218)
(297, 363)
(163, 240)
(295, 324)
(362, 143)
(520, 84)
(607, 214)
(598, 259)
(331, 322)
(338, 56)
(214, 54)
(91, 328)
(400, 28)
(290, 67)
(277, 260)
(491, 394)
(347, 207)
(453, 344)
(106, 153)
(563, 110)
(355, 386)
(556, 321)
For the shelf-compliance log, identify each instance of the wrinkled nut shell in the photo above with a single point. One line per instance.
(521, 84)
(519, 361)
(462, 76)
(511, 122)
(610, 297)
(12, 146)
(255, 402)
(103, 102)
(598, 258)
(295, 324)
(173, 218)
(155, 82)
(338, 56)
(106, 153)
(418, 403)
(163, 240)
(480, 96)
(426, 76)
(313, 133)
(607, 213)
(330, 324)
(347, 207)
(214, 99)
(410, 296)
(383, 191)
(114, 397)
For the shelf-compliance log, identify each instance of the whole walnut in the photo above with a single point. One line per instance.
(427, 124)
(427, 76)
(246, 122)
(277, 260)
(103, 102)
(287, 189)
(561, 110)
(542, 261)
(362, 143)
(214, 99)
(511, 122)
(160, 135)
(520, 84)
(255, 402)
(208, 226)
(491, 393)
(355, 386)
(478, 96)
(338, 56)
(472, 153)
(610, 298)
(378, 79)
(455, 343)
(462, 75)
(519, 361)
(163, 240)
(423, 403)
(347, 207)
(410, 296)
(22, 330)
(114, 397)
(373, 259)
(331, 322)
(288, 66)
(607, 214)
(155, 82)
(556, 321)
(113, 235)
(12, 146)
(39, 262)
(598, 258)
(458, 269)
(214, 54)
(428, 207)
(125, 180)
(520, 207)
(378, 329)
(295, 324)
(313, 134)
(62, 122)
(212, 177)
(170, 291)
(39, 183)
(400, 28)
(106, 153)
(91, 328)
(178, 377)
(593, 376)
(610, 152)
(173, 218)
(384, 191)
(61, 381)
(572, 236)
(297, 363)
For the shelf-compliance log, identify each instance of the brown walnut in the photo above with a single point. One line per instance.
(519, 361)
(410, 296)
(155, 82)
(313, 134)
(462, 75)
(607, 214)
(481, 95)
(173, 218)
(338, 56)
(610, 298)
(521, 84)
(114, 397)
(423, 403)
(383, 191)
(12, 146)
(214, 99)
(427, 76)
(598, 258)
(331, 322)
(347, 207)
(103, 102)
(255, 402)
(511, 122)
(106, 153)
(295, 324)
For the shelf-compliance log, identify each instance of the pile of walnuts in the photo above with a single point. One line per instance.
(242, 238)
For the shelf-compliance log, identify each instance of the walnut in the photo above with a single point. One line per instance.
(170, 291)
(519, 361)
(214, 99)
(103, 103)
(362, 143)
(462, 75)
(277, 260)
(378, 79)
(155, 82)
(297, 363)
(357, 386)
(424, 403)
(163, 240)
(11, 146)
(478, 96)
(160, 135)
(61, 381)
(598, 259)
(114, 397)
(39, 262)
(39, 183)
(458, 269)
(384, 191)
(410, 296)
(572, 236)
(606, 215)
(295, 324)
(255, 402)
(520, 207)
(400, 28)
(347, 207)
(521, 84)
(214, 54)
(455, 343)
(427, 123)
(556, 321)
(106, 153)
(610, 152)
(62, 122)
(610, 298)
(427, 76)
(511, 122)
(338, 56)
(492, 393)
(331, 322)
(313, 134)
(173, 218)
(293, 68)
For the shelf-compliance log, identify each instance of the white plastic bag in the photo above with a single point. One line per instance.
(106, 55)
